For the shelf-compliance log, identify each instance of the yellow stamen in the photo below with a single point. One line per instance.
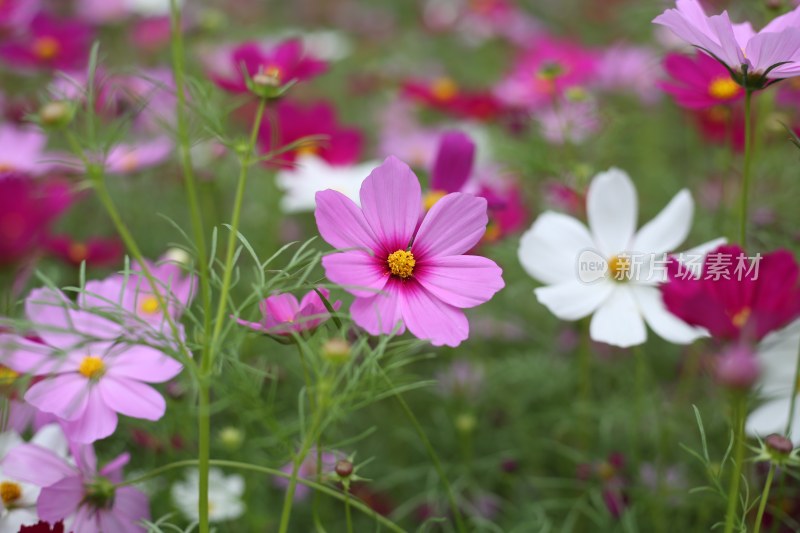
(401, 263)
(741, 318)
(149, 305)
(273, 72)
(10, 492)
(723, 88)
(306, 149)
(431, 198)
(619, 266)
(77, 252)
(46, 47)
(444, 89)
(92, 367)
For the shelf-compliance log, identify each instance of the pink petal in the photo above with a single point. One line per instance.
(143, 363)
(453, 226)
(454, 161)
(98, 421)
(49, 310)
(33, 464)
(130, 507)
(85, 521)
(358, 273)
(429, 318)
(461, 280)
(24, 356)
(391, 200)
(341, 223)
(113, 469)
(279, 309)
(60, 500)
(767, 49)
(65, 395)
(132, 398)
(381, 313)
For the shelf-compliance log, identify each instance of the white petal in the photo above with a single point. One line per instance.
(52, 438)
(772, 417)
(549, 250)
(573, 300)
(612, 207)
(778, 354)
(669, 228)
(618, 321)
(661, 321)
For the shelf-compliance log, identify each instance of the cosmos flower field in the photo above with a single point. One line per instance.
(430, 266)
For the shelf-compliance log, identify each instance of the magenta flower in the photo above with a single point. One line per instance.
(752, 58)
(282, 314)
(16, 14)
(96, 251)
(453, 164)
(283, 63)
(49, 43)
(91, 373)
(445, 95)
(699, 82)
(84, 497)
(732, 298)
(404, 273)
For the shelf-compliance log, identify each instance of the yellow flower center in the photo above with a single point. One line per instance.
(741, 318)
(129, 162)
(7, 376)
(46, 48)
(431, 198)
(273, 72)
(310, 148)
(723, 88)
(92, 367)
(401, 263)
(619, 266)
(149, 305)
(10, 492)
(77, 252)
(444, 89)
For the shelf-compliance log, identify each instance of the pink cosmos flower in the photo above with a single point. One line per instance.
(699, 82)
(80, 494)
(772, 53)
(98, 376)
(27, 208)
(96, 251)
(444, 95)
(284, 62)
(574, 120)
(131, 158)
(453, 164)
(632, 69)
(22, 150)
(282, 314)
(546, 70)
(404, 273)
(341, 145)
(732, 298)
(49, 43)
(17, 14)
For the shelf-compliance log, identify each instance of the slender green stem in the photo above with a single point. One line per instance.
(203, 450)
(288, 499)
(764, 497)
(385, 522)
(795, 392)
(738, 415)
(234, 235)
(460, 525)
(347, 516)
(748, 162)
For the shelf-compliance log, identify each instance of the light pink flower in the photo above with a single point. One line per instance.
(403, 271)
(308, 470)
(22, 150)
(282, 314)
(80, 494)
(132, 158)
(91, 373)
(772, 53)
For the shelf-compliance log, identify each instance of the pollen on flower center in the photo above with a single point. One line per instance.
(401, 263)
(431, 198)
(149, 305)
(46, 47)
(723, 88)
(10, 492)
(619, 267)
(741, 318)
(444, 89)
(92, 367)
(7, 376)
(77, 252)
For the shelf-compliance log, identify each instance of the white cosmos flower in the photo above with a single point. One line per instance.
(224, 496)
(17, 499)
(150, 8)
(550, 251)
(312, 174)
(777, 355)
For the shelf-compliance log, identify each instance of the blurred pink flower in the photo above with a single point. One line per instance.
(444, 95)
(96, 251)
(309, 469)
(22, 150)
(571, 121)
(49, 43)
(629, 69)
(17, 14)
(403, 271)
(131, 158)
(699, 82)
(282, 314)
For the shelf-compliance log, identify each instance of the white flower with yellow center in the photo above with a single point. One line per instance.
(224, 496)
(18, 499)
(609, 269)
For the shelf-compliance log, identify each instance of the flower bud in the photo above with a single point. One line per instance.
(465, 422)
(344, 468)
(178, 256)
(737, 368)
(336, 350)
(231, 437)
(779, 444)
(55, 114)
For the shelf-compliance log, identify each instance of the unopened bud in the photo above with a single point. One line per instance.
(178, 256)
(231, 437)
(737, 369)
(336, 350)
(466, 422)
(779, 444)
(344, 468)
(773, 5)
(55, 114)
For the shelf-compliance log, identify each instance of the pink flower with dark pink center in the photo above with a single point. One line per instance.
(282, 314)
(445, 95)
(81, 495)
(736, 297)
(282, 63)
(96, 251)
(699, 82)
(403, 273)
(49, 43)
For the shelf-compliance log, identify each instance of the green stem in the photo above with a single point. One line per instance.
(795, 392)
(348, 518)
(748, 161)
(388, 524)
(288, 499)
(738, 412)
(460, 525)
(764, 497)
(203, 450)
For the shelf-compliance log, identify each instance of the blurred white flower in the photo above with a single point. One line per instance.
(224, 495)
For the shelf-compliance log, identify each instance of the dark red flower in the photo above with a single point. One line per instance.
(43, 527)
(443, 94)
(96, 251)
